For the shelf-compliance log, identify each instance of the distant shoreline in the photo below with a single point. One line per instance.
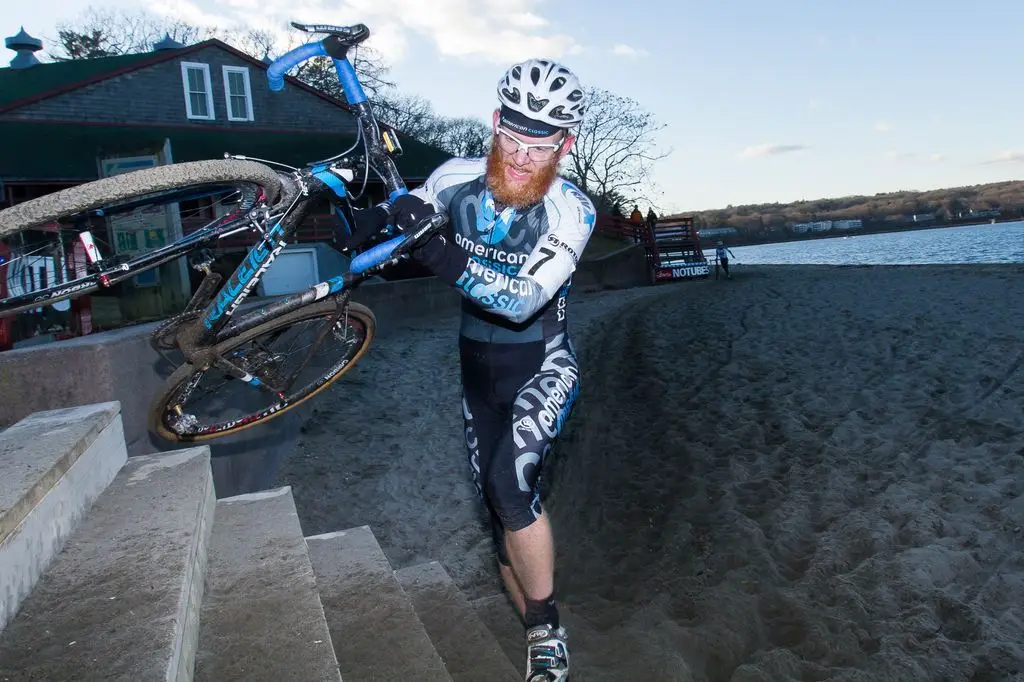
(869, 228)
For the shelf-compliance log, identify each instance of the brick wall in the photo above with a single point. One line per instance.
(154, 95)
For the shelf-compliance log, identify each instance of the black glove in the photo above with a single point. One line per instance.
(369, 222)
(408, 209)
(444, 258)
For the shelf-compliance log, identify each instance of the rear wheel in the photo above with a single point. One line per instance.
(130, 218)
(188, 411)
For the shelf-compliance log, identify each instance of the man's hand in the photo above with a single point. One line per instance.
(368, 223)
(409, 209)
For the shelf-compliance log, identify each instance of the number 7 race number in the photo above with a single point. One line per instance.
(548, 255)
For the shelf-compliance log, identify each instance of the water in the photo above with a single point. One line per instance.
(999, 243)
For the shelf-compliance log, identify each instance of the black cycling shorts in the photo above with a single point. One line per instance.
(516, 397)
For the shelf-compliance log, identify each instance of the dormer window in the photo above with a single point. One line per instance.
(237, 93)
(195, 79)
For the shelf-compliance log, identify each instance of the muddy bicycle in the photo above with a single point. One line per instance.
(219, 338)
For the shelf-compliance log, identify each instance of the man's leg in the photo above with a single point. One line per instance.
(514, 589)
(531, 551)
(486, 429)
(508, 472)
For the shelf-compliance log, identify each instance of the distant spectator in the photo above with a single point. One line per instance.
(720, 253)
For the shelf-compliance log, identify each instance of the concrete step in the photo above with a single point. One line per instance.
(262, 618)
(498, 614)
(121, 600)
(469, 650)
(53, 466)
(376, 633)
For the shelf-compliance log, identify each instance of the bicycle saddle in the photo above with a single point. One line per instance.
(348, 35)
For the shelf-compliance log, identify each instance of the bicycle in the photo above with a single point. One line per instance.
(212, 333)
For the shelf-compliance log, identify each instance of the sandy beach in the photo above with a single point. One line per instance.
(803, 473)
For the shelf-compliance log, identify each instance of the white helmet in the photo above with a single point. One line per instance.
(544, 91)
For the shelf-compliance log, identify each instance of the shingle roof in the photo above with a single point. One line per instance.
(22, 84)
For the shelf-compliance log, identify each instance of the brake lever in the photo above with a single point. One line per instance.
(420, 233)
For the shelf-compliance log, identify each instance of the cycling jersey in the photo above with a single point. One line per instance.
(520, 262)
(519, 371)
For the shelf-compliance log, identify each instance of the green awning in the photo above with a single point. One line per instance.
(38, 151)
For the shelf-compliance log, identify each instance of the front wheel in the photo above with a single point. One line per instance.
(185, 411)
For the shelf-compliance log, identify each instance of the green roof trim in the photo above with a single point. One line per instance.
(20, 84)
(40, 151)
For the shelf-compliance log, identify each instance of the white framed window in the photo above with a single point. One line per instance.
(195, 80)
(237, 93)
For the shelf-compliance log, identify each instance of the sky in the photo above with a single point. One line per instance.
(761, 101)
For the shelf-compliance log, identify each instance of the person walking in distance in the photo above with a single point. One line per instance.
(720, 253)
(515, 235)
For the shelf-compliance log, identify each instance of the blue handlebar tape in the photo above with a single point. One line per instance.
(289, 60)
(376, 255)
(349, 81)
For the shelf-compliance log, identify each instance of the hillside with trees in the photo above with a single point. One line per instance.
(880, 212)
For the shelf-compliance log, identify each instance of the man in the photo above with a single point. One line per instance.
(516, 231)
(722, 252)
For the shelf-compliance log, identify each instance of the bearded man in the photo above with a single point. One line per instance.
(515, 233)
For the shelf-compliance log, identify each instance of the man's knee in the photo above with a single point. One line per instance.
(515, 508)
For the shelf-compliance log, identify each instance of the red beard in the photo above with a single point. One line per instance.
(518, 196)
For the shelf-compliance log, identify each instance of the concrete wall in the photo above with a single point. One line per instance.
(617, 270)
(121, 365)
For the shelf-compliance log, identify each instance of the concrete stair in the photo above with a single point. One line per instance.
(377, 633)
(468, 649)
(261, 616)
(130, 568)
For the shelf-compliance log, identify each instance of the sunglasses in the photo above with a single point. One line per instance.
(535, 152)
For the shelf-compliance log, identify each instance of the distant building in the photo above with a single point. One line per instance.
(815, 226)
(709, 232)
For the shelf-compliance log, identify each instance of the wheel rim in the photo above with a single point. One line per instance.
(233, 401)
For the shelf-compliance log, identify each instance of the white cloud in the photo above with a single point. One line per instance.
(814, 103)
(194, 14)
(496, 32)
(770, 150)
(883, 126)
(1008, 156)
(527, 20)
(621, 50)
(937, 157)
(899, 156)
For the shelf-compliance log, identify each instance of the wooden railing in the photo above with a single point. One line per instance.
(614, 226)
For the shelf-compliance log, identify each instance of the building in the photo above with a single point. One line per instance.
(69, 122)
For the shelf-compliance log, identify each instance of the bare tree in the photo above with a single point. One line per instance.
(253, 42)
(106, 32)
(614, 150)
(415, 117)
(411, 115)
(369, 65)
(464, 136)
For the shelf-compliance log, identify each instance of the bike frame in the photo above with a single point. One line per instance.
(217, 321)
(314, 181)
(330, 179)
